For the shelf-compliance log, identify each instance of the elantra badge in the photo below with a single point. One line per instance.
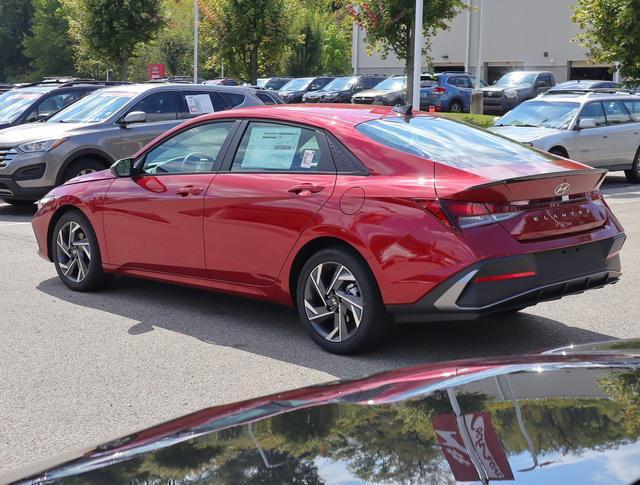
(562, 189)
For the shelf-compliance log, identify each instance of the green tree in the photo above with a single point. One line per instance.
(390, 26)
(111, 30)
(610, 33)
(336, 49)
(247, 34)
(49, 46)
(15, 22)
(305, 57)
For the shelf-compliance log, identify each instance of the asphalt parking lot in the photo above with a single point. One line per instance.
(80, 368)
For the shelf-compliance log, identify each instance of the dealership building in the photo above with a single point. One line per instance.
(501, 36)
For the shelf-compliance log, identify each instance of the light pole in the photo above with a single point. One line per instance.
(480, 27)
(417, 55)
(196, 25)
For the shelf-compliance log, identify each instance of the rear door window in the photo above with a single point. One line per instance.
(595, 111)
(233, 99)
(615, 113)
(274, 147)
(633, 107)
(265, 98)
(196, 103)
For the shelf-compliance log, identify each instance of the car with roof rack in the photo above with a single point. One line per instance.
(515, 87)
(99, 129)
(29, 102)
(584, 84)
(342, 89)
(598, 127)
(449, 91)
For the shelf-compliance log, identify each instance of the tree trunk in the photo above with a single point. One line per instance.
(124, 69)
(254, 65)
(409, 65)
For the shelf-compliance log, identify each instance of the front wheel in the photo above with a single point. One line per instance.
(633, 175)
(456, 107)
(80, 167)
(76, 253)
(339, 302)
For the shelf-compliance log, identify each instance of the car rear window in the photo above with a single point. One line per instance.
(449, 142)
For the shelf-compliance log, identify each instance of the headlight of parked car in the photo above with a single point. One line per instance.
(510, 93)
(41, 146)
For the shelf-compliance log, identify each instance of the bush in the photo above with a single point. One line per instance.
(483, 121)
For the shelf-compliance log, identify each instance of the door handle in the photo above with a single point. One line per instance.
(189, 190)
(305, 189)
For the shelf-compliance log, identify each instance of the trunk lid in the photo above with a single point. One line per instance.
(530, 207)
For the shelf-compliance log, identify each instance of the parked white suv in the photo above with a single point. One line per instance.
(599, 129)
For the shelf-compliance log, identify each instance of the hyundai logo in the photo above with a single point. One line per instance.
(562, 189)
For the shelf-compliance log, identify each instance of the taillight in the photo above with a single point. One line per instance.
(466, 215)
(439, 91)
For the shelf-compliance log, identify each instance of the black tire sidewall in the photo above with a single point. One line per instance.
(375, 320)
(456, 103)
(95, 274)
(633, 175)
(84, 163)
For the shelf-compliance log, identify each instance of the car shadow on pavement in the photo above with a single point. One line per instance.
(10, 213)
(273, 331)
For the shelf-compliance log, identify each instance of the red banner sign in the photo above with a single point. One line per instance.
(156, 71)
(486, 447)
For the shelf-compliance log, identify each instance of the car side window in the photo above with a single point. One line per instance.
(545, 80)
(196, 103)
(158, 106)
(615, 113)
(265, 98)
(233, 99)
(53, 104)
(273, 147)
(465, 82)
(633, 107)
(595, 111)
(194, 150)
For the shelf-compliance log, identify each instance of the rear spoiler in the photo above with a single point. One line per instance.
(539, 186)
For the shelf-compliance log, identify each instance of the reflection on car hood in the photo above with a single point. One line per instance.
(372, 93)
(523, 133)
(549, 419)
(38, 131)
(91, 177)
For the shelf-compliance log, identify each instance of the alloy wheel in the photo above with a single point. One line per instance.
(73, 251)
(85, 171)
(456, 108)
(333, 301)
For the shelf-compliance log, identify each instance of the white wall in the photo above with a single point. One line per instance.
(515, 31)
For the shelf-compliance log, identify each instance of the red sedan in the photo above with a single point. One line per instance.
(357, 216)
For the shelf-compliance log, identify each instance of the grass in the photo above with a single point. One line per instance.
(483, 121)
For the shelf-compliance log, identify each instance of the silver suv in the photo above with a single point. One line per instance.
(99, 129)
(599, 129)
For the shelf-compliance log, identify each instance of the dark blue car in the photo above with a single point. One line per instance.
(448, 91)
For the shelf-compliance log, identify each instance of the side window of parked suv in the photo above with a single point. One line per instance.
(272, 147)
(633, 107)
(595, 111)
(53, 104)
(196, 103)
(615, 113)
(158, 106)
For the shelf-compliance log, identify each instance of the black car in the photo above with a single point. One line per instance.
(36, 101)
(341, 89)
(389, 92)
(5, 87)
(294, 90)
(568, 416)
(272, 83)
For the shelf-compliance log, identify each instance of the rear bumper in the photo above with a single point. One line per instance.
(554, 274)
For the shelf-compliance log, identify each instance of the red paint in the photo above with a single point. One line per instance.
(241, 232)
(156, 71)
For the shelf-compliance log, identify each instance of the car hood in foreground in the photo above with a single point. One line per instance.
(524, 133)
(569, 416)
(17, 135)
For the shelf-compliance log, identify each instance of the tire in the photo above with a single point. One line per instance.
(354, 296)
(85, 274)
(559, 151)
(633, 175)
(19, 203)
(456, 107)
(81, 167)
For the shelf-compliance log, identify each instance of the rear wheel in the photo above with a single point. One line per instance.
(339, 302)
(76, 253)
(456, 107)
(559, 151)
(633, 175)
(82, 166)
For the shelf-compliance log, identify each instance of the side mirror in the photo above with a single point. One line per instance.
(586, 123)
(122, 168)
(134, 117)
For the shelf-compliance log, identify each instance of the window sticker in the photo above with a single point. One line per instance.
(199, 104)
(307, 159)
(272, 148)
